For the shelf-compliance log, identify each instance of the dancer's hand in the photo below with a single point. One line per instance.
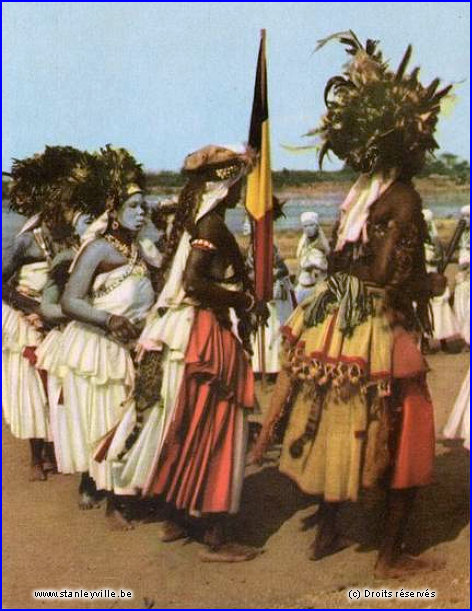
(437, 283)
(35, 320)
(121, 328)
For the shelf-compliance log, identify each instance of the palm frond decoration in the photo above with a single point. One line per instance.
(377, 118)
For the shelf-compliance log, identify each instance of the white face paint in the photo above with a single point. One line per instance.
(310, 229)
(132, 213)
(82, 223)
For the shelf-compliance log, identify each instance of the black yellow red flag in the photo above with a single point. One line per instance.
(259, 184)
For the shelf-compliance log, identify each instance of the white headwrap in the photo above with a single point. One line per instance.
(320, 242)
(355, 208)
(429, 218)
(309, 217)
(465, 211)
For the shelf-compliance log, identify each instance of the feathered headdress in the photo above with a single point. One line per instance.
(122, 175)
(36, 179)
(376, 118)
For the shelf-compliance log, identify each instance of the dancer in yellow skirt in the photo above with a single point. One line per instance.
(353, 377)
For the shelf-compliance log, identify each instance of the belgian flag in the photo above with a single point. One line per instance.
(259, 183)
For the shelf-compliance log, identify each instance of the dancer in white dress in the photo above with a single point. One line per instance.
(108, 295)
(312, 251)
(37, 188)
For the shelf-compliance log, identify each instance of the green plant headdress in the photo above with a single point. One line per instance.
(377, 118)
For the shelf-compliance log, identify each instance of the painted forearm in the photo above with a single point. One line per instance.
(79, 309)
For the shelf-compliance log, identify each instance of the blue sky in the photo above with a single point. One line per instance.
(164, 78)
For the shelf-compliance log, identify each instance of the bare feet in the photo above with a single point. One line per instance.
(171, 531)
(230, 552)
(37, 473)
(406, 565)
(86, 501)
(117, 522)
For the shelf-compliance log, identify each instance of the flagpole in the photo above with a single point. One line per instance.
(259, 197)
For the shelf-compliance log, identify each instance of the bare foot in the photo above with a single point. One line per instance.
(319, 550)
(88, 502)
(37, 473)
(407, 565)
(49, 466)
(171, 531)
(117, 521)
(230, 552)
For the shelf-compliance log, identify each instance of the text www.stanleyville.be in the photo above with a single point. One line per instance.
(81, 594)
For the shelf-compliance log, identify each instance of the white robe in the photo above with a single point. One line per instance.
(24, 397)
(96, 373)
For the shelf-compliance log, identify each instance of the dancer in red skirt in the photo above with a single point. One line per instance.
(199, 469)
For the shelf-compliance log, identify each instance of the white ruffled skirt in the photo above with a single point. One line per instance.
(95, 374)
(24, 400)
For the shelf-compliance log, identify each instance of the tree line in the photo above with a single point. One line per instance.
(445, 165)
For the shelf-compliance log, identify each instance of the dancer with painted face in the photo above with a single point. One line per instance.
(108, 295)
(312, 251)
(353, 374)
(42, 188)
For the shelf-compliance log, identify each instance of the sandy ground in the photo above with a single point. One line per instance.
(49, 543)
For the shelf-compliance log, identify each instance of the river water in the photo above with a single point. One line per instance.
(443, 204)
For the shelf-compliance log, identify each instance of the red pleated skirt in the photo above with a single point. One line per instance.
(415, 438)
(203, 453)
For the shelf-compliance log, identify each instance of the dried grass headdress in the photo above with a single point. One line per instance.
(376, 118)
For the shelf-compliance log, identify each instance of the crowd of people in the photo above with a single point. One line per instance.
(131, 361)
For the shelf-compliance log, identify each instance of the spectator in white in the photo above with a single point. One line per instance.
(280, 308)
(446, 332)
(311, 255)
(462, 290)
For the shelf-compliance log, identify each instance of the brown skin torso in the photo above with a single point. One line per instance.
(394, 255)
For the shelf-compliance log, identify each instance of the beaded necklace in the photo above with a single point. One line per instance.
(136, 265)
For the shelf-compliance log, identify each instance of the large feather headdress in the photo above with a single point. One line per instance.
(376, 118)
(36, 180)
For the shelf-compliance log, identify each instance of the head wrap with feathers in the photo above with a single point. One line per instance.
(378, 119)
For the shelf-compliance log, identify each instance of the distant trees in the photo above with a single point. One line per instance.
(445, 164)
(450, 165)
